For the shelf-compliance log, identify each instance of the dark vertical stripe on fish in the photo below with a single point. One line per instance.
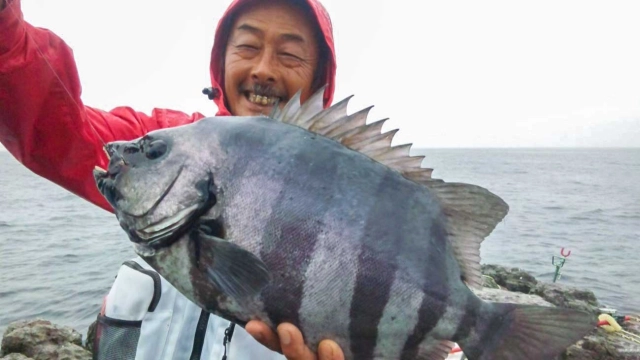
(377, 265)
(370, 297)
(436, 297)
(293, 228)
(428, 316)
(468, 321)
(288, 264)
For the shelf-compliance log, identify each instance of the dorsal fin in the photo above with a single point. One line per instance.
(311, 107)
(472, 212)
(346, 123)
(290, 110)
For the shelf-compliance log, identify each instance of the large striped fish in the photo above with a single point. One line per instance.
(310, 216)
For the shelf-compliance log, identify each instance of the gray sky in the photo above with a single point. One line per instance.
(448, 73)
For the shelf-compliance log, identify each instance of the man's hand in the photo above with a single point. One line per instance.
(290, 343)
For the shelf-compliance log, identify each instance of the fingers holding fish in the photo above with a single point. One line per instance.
(292, 343)
(289, 341)
(294, 348)
(329, 350)
(261, 332)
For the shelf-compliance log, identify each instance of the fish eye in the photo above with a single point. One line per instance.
(155, 149)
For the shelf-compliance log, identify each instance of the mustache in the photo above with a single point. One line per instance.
(264, 90)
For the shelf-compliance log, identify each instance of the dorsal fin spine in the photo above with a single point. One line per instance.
(472, 212)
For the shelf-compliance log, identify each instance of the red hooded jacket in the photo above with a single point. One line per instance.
(45, 125)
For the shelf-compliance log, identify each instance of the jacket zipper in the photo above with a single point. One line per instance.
(198, 341)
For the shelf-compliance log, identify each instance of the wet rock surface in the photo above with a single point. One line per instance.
(512, 279)
(517, 280)
(518, 286)
(41, 340)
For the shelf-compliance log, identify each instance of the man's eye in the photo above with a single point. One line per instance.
(291, 56)
(246, 47)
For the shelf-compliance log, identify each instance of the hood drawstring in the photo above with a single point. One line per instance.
(211, 92)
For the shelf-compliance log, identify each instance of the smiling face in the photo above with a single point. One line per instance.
(272, 53)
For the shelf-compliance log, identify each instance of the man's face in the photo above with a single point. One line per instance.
(271, 54)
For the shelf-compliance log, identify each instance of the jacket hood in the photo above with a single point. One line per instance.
(323, 22)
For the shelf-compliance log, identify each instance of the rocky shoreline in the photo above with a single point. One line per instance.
(40, 339)
(518, 286)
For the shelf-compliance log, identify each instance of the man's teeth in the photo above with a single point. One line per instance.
(262, 100)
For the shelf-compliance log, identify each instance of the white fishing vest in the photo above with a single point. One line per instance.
(146, 318)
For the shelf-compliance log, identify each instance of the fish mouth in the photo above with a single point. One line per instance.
(167, 230)
(107, 186)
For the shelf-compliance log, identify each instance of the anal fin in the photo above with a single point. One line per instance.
(435, 350)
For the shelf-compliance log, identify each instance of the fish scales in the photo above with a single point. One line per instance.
(405, 244)
(401, 314)
(330, 283)
(295, 217)
(379, 261)
(373, 288)
(430, 311)
(342, 235)
(376, 224)
(282, 232)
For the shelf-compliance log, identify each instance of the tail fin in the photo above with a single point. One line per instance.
(512, 331)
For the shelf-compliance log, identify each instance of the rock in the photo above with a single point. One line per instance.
(15, 356)
(500, 295)
(600, 345)
(591, 347)
(489, 282)
(525, 289)
(632, 326)
(91, 336)
(518, 280)
(513, 279)
(597, 345)
(41, 340)
(569, 297)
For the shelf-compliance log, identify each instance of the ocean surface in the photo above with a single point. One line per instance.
(59, 254)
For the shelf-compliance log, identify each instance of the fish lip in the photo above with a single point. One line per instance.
(106, 186)
(181, 225)
(106, 183)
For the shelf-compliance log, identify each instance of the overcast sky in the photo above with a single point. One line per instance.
(448, 73)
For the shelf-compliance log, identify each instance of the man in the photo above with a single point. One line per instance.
(263, 53)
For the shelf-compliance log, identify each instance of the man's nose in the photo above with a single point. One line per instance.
(265, 68)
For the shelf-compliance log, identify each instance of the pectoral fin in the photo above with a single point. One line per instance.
(233, 270)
